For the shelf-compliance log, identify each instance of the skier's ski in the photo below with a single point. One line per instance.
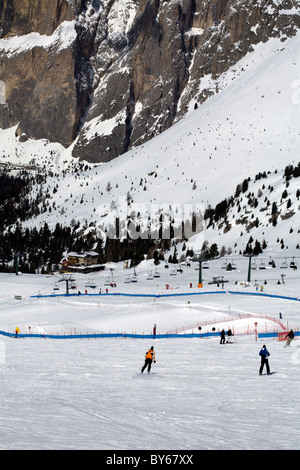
(270, 373)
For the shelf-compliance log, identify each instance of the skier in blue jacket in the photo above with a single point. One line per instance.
(264, 354)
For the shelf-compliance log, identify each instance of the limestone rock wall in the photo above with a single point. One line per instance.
(109, 75)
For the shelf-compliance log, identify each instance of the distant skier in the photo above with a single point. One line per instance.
(150, 357)
(264, 354)
(229, 335)
(290, 336)
(222, 341)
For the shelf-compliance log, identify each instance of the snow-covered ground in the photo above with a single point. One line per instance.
(89, 394)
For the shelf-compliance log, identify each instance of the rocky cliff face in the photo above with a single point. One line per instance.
(109, 75)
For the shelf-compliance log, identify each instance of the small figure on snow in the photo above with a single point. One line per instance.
(150, 357)
(229, 334)
(264, 354)
(290, 336)
(222, 341)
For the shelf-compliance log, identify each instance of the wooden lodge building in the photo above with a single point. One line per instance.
(86, 262)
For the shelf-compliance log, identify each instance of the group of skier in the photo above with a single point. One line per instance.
(263, 353)
(223, 336)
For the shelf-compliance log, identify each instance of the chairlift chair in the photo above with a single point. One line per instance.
(224, 265)
(229, 267)
(284, 265)
(262, 265)
(293, 265)
(272, 263)
(233, 266)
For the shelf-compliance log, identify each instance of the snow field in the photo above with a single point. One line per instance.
(200, 395)
(89, 394)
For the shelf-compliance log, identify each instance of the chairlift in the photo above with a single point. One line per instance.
(205, 265)
(127, 280)
(149, 277)
(254, 265)
(284, 265)
(293, 265)
(56, 287)
(262, 265)
(173, 272)
(134, 279)
(229, 267)
(156, 274)
(90, 284)
(272, 263)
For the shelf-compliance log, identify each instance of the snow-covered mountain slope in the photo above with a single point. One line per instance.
(250, 126)
(71, 73)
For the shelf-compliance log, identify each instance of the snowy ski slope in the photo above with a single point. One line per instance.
(89, 394)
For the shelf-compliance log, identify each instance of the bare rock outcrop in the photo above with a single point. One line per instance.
(109, 75)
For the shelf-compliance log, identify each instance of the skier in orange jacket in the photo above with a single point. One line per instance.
(150, 357)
